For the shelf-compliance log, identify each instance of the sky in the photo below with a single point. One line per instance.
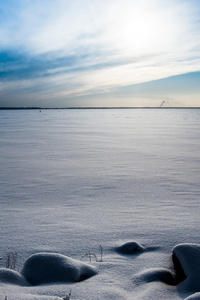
(92, 53)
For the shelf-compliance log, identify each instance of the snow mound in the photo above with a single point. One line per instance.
(195, 296)
(52, 267)
(186, 258)
(156, 274)
(11, 277)
(130, 248)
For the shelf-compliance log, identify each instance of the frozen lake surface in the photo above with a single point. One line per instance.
(72, 180)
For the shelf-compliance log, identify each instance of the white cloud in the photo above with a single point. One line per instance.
(121, 42)
(126, 27)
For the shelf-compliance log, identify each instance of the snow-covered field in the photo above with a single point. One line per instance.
(72, 180)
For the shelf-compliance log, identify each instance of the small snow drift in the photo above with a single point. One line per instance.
(130, 248)
(11, 277)
(52, 267)
(186, 258)
(195, 296)
(156, 274)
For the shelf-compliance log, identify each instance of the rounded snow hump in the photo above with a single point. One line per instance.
(52, 267)
(130, 248)
(186, 258)
(11, 277)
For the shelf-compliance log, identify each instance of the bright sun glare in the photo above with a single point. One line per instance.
(140, 29)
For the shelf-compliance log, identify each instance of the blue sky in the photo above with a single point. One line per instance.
(63, 53)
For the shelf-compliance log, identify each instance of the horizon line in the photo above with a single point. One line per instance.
(103, 107)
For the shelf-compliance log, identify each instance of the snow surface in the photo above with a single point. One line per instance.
(125, 179)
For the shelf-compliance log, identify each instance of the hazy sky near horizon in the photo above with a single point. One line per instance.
(61, 53)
